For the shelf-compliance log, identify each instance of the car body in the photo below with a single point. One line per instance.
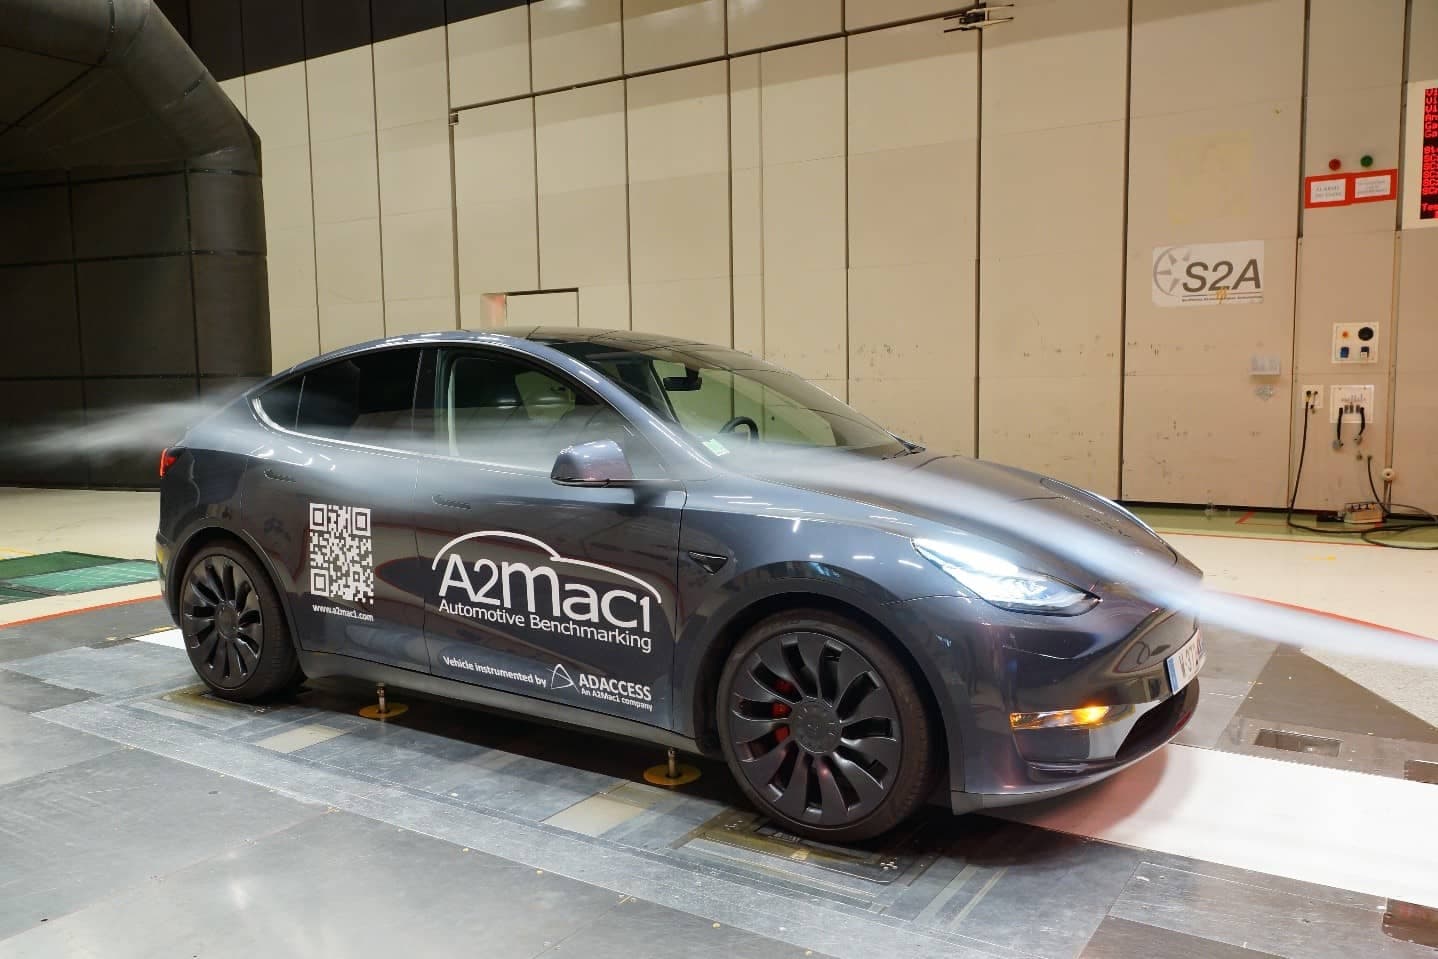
(554, 522)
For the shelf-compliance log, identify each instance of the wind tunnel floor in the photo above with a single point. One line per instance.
(140, 816)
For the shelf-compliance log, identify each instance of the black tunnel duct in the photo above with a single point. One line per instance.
(132, 267)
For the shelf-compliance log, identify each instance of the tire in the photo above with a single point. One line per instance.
(824, 727)
(234, 628)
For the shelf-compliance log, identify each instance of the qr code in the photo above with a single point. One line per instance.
(341, 553)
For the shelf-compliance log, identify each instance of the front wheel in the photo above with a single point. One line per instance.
(824, 728)
(234, 629)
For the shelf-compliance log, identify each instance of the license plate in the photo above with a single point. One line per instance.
(1186, 663)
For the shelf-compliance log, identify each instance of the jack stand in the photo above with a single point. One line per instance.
(383, 709)
(672, 773)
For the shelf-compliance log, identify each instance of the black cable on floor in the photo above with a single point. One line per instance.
(1395, 524)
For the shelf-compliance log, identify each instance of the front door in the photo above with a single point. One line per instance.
(559, 593)
(332, 503)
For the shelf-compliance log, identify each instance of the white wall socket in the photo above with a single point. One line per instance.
(1340, 397)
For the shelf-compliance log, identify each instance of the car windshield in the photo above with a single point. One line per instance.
(730, 401)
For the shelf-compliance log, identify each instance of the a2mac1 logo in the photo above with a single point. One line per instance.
(543, 595)
(1208, 274)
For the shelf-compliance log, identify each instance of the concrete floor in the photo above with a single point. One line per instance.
(141, 817)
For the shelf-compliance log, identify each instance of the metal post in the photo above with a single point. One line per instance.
(673, 764)
(381, 699)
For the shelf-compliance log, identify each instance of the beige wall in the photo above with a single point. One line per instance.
(953, 232)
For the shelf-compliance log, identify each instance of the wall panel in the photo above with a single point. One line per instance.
(869, 13)
(1346, 255)
(679, 202)
(746, 204)
(495, 205)
(575, 41)
(345, 173)
(1415, 446)
(235, 89)
(583, 200)
(489, 56)
(1215, 127)
(277, 102)
(805, 223)
(415, 196)
(663, 33)
(766, 23)
(1051, 312)
(912, 187)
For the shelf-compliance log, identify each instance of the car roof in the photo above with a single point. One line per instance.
(545, 335)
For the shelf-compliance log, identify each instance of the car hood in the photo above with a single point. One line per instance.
(933, 488)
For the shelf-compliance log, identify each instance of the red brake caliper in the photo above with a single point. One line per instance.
(779, 709)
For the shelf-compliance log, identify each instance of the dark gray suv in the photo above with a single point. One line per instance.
(669, 541)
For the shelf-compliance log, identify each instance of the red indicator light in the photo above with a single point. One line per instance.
(1335, 163)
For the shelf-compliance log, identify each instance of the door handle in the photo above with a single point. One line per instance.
(279, 477)
(451, 503)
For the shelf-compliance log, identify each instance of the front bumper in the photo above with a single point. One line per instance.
(995, 665)
(1136, 737)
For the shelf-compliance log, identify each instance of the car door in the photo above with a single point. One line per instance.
(556, 592)
(330, 501)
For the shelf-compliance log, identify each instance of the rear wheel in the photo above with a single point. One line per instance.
(234, 629)
(824, 727)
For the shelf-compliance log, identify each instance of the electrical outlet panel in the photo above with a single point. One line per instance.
(1355, 343)
(1348, 398)
(1316, 392)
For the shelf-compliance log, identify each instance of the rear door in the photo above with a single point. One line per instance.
(554, 592)
(330, 499)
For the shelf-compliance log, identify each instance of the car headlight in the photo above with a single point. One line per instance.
(1002, 583)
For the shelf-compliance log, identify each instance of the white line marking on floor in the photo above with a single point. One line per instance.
(168, 637)
(1369, 834)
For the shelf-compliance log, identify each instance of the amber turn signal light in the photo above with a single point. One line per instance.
(1058, 718)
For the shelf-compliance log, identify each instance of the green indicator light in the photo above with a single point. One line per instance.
(1367, 160)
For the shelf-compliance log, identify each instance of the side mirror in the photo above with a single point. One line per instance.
(598, 463)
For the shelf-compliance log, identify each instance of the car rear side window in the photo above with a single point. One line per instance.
(282, 401)
(367, 399)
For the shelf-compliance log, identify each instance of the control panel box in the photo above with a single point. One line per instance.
(1355, 343)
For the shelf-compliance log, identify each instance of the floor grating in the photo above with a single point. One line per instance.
(1297, 742)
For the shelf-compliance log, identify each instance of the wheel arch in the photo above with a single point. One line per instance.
(877, 620)
(210, 534)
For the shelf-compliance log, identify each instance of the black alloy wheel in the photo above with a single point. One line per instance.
(824, 728)
(234, 632)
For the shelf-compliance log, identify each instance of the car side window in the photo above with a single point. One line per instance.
(366, 399)
(282, 401)
(507, 411)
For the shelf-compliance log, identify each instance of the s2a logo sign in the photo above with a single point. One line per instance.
(1208, 274)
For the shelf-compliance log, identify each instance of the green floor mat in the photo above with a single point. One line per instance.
(50, 563)
(9, 594)
(123, 573)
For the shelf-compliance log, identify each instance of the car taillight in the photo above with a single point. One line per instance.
(167, 459)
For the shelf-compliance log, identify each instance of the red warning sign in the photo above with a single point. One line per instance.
(1343, 189)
